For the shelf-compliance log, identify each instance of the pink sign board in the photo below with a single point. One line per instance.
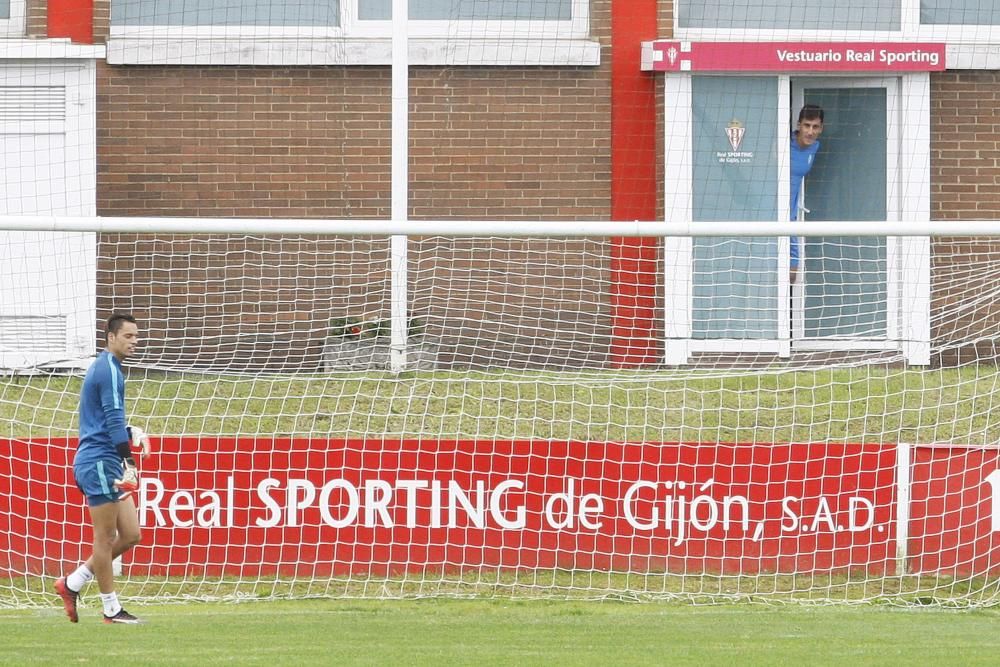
(671, 56)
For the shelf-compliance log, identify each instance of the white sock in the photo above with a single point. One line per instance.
(111, 604)
(79, 578)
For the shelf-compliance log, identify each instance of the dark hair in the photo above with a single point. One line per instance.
(115, 323)
(810, 112)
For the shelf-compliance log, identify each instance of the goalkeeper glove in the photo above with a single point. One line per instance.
(130, 477)
(139, 440)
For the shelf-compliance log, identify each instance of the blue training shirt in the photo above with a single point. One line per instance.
(102, 410)
(802, 162)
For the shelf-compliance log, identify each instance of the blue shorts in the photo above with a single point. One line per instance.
(95, 478)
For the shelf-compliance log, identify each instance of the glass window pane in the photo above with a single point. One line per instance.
(846, 277)
(790, 15)
(735, 288)
(4, 9)
(846, 293)
(479, 10)
(960, 12)
(276, 13)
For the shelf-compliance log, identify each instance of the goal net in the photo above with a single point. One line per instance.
(398, 338)
(511, 454)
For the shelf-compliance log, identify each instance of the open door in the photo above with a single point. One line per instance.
(848, 295)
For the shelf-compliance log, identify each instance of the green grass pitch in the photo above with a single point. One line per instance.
(496, 632)
(853, 405)
(864, 404)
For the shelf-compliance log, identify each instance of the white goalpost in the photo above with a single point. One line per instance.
(546, 298)
(512, 455)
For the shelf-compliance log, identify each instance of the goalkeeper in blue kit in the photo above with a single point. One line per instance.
(105, 471)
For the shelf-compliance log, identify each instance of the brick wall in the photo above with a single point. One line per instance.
(102, 20)
(239, 141)
(36, 18)
(230, 302)
(965, 145)
(965, 185)
(315, 142)
(489, 143)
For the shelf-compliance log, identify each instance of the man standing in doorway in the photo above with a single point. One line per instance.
(805, 145)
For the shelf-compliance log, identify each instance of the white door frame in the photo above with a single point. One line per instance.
(908, 198)
(889, 341)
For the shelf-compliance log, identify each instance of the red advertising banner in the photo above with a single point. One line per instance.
(308, 506)
(675, 56)
(954, 525)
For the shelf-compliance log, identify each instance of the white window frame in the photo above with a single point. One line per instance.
(14, 26)
(968, 34)
(678, 251)
(578, 27)
(958, 37)
(357, 42)
(908, 305)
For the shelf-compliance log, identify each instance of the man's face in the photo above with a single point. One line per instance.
(124, 343)
(809, 131)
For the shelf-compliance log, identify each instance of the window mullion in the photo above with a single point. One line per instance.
(910, 19)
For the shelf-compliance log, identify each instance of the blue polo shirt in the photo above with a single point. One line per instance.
(802, 162)
(102, 410)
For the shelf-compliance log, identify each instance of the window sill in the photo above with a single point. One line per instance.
(49, 49)
(354, 51)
